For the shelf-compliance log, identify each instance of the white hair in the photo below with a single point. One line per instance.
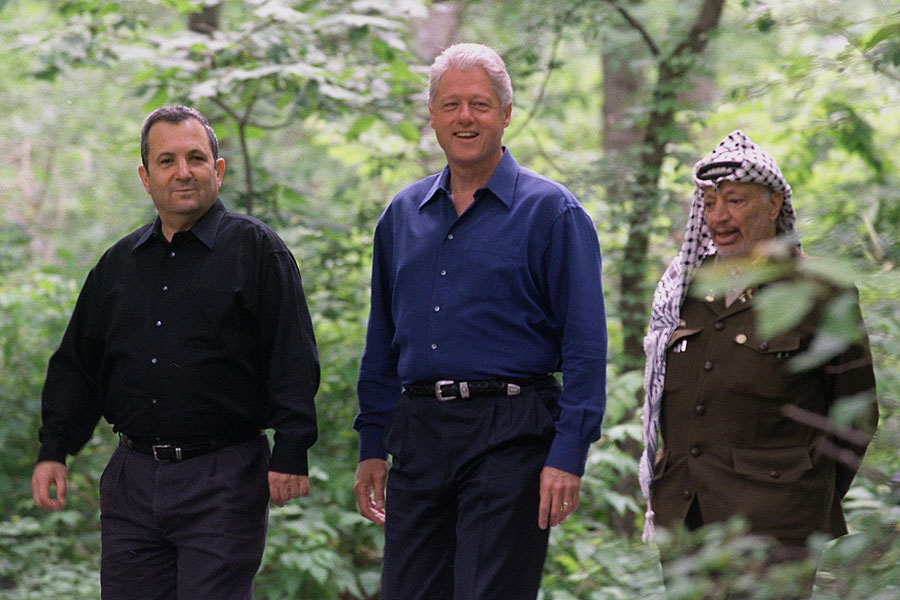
(466, 57)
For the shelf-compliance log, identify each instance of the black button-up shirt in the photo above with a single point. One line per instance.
(208, 336)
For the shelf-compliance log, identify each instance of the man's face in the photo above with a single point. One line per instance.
(181, 176)
(739, 215)
(468, 120)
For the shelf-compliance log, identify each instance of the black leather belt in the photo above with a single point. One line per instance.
(447, 389)
(177, 452)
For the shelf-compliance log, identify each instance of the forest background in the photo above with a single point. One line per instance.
(320, 110)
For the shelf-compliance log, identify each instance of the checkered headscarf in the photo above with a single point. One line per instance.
(736, 158)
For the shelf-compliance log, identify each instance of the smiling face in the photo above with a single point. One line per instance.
(181, 176)
(468, 120)
(739, 215)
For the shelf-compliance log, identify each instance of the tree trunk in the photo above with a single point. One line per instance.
(675, 70)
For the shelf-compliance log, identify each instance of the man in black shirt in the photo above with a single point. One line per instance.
(190, 336)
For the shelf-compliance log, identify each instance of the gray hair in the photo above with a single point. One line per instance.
(176, 114)
(466, 57)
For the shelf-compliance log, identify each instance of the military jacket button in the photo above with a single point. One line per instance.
(695, 451)
(700, 409)
(687, 494)
(719, 325)
(708, 366)
(774, 474)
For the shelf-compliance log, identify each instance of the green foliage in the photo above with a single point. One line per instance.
(34, 308)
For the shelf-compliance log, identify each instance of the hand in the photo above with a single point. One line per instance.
(559, 496)
(287, 486)
(47, 474)
(371, 475)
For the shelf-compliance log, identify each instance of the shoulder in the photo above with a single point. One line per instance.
(535, 183)
(408, 200)
(241, 228)
(546, 195)
(124, 246)
(413, 194)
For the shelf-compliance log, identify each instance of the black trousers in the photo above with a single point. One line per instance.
(463, 496)
(184, 530)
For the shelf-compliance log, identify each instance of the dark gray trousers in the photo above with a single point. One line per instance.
(184, 530)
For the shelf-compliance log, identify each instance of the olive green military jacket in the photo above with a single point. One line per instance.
(728, 443)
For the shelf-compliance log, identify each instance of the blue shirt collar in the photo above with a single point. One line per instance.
(502, 183)
(204, 230)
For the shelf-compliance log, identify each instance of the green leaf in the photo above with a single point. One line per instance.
(881, 34)
(408, 131)
(782, 305)
(360, 125)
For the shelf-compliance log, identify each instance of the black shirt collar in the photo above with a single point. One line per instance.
(204, 230)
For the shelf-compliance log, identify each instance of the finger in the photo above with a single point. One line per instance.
(557, 511)
(276, 493)
(60, 492)
(304, 487)
(376, 514)
(545, 507)
(42, 480)
(378, 494)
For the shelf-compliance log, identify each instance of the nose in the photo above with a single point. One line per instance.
(183, 171)
(465, 113)
(715, 212)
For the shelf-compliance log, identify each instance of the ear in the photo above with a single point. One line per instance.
(777, 199)
(220, 170)
(507, 114)
(145, 177)
(431, 116)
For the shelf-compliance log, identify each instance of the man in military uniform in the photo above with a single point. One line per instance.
(724, 393)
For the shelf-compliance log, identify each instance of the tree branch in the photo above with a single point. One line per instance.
(543, 89)
(707, 19)
(654, 49)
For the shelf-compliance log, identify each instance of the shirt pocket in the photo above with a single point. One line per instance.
(490, 271)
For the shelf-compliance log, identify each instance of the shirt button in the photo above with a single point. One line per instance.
(159, 323)
(695, 451)
(172, 254)
(153, 401)
(165, 288)
(700, 409)
(434, 346)
(719, 325)
(153, 360)
(449, 236)
(708, 366)
(437, 309)
(443, 272)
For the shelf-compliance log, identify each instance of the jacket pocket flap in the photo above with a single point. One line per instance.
(680, 334)
(787, 342)
(785, 464)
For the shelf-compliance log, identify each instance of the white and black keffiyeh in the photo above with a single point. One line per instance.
(735, 158)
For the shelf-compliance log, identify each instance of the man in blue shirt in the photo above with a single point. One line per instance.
(485, 281)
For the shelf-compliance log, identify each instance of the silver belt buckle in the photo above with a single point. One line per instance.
(439, 394)
(156, 447)
(512, 389)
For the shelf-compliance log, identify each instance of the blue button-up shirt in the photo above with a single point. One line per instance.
(509, 289)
